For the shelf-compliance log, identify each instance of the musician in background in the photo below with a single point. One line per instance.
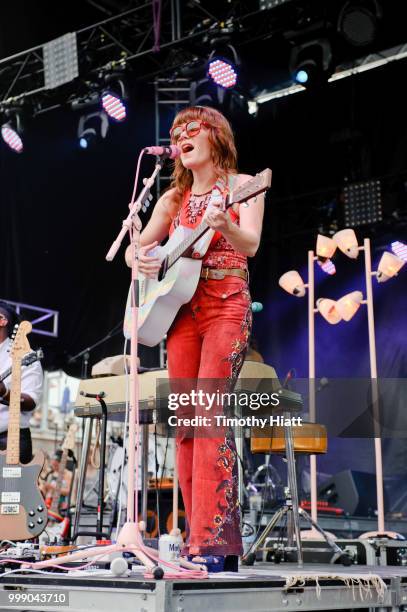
(31, 385)
(51, 480)
(209, 336)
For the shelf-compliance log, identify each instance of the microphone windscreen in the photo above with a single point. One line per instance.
(175, 151)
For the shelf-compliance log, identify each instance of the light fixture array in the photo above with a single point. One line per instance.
(346, 307)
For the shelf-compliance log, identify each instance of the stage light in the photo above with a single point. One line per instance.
(88, 136)
(347, 242)
(12, 138)
(114, 95)
(358, 21)
(311, 62)
(399, 249)
(363, 203)
(349, 304)
(327, 308)
(13, 128)
(90, 127)
(113, 106)
(222, 73)
(292, 283)
(326, 247)
(327, 266)
(389, 266)
(302, 76)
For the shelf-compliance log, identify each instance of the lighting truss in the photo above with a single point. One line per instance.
(270, 4)
(370, 62)
(43, 320)
(120, 40)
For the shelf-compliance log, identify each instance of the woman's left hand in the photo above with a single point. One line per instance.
(217, 219)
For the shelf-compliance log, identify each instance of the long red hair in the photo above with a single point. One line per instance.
(224, 154)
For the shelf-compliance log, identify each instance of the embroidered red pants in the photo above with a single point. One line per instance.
(208, 340)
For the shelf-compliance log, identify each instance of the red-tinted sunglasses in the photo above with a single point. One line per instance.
(192, 128)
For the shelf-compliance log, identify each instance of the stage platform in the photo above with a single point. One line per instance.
(263, 588)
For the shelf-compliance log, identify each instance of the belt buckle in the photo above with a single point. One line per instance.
(206, 273)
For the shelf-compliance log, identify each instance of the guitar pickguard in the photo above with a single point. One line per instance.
(23, 514)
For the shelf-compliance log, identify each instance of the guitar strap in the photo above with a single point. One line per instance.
(218, 197)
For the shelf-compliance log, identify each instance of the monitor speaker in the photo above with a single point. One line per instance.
(354, 492)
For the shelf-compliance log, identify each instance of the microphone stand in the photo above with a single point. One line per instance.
(85, 353)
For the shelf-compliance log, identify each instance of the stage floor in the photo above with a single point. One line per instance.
(256, 589)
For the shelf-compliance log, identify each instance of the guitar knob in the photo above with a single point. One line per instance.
(31, 513)
(40, 508)
(40, 521)
(31, 525)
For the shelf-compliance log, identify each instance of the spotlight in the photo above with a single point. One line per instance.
(347, 242)
(114, 95)
(328, 310)
(357, 22)
(311, 63)
(399, 249)
(223, 62)
(113, 106)
(326, 247)
(12, 138)
(389, 266)
(292, 283)
(12, 130)
(90, 126)
(222, 73)
(327, 266)
(349, 304)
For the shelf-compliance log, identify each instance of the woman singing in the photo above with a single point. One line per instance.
(209, 336)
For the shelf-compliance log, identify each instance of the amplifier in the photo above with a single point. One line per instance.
(373, 551)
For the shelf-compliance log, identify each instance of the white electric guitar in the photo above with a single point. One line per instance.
(161, 298)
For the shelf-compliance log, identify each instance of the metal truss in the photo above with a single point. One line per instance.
(369, 62)
(44, 321)
(120, 40)
(171, 95)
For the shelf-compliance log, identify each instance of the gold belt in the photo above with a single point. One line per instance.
(219, 274)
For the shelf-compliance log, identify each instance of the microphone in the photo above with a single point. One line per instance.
(172, 151)
(257, 306)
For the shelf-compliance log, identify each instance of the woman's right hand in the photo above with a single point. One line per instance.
(147, 265)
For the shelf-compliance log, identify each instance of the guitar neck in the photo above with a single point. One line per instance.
(13, 432)
(57, 491)
(249, 189)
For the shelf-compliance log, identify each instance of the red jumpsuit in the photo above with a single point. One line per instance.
(208, 340)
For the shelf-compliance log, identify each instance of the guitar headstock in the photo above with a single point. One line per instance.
(69, 442)
(252, 187)
(20, 345)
